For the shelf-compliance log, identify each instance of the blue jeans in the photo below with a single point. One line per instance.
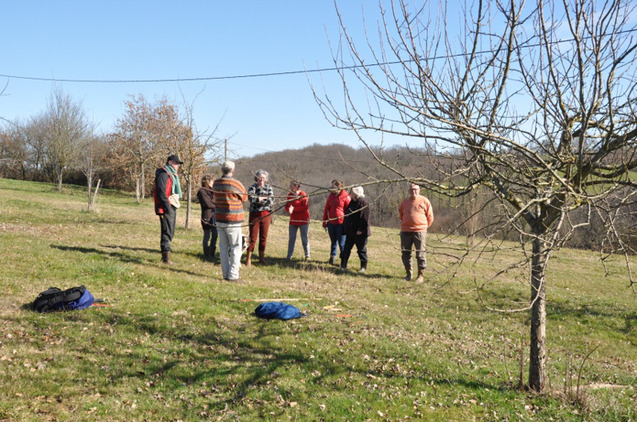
(337, 237)
(304, 239)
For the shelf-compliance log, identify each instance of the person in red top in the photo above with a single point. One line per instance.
(298, 206)
(416, 216)
(333, 216)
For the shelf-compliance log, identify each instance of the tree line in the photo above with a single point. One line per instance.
(61, 145)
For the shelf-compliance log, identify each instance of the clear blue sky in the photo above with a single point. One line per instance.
(149, 40)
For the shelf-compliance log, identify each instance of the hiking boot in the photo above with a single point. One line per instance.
(408, 276)
(362, 270)
(421, 276)
(165, 258)
(332, 260)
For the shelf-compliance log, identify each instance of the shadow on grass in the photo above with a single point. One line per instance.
(228, 361)
(128, 248)
(127, 258)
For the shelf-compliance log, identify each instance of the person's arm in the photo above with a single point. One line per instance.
(206, 199)
(242, 195)
(363, 220)
(325, 212)
(429, 212)
(160, 187)
(252, 195)
(269, 198)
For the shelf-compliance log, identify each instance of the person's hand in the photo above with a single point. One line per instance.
(291, 210)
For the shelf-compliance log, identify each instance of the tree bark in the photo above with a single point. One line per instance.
(537, 378)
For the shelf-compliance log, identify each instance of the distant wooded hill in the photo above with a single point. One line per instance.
(316, 166)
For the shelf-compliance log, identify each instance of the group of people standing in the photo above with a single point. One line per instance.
(346, 218)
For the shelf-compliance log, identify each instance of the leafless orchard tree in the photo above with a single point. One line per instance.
(193, 146)
(92, 160)
(66, 129)
(534, 102)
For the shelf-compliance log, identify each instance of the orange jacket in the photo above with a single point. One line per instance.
(416, 215)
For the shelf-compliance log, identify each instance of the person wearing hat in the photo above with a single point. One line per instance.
(166, 193)
(356, 227)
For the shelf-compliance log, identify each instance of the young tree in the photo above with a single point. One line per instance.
(66, 128)
(91, 162)
(534, 102)
(196, 148)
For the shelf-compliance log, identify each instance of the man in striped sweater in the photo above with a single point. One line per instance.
(229, 196)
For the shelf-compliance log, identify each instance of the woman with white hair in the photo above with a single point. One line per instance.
(356, 227)
(261, 197)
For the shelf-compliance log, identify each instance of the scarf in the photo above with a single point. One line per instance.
(173, 175)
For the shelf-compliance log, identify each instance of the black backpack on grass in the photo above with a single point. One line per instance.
(54, 299)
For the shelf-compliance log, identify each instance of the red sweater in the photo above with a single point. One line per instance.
(300, 208)
(335, 206)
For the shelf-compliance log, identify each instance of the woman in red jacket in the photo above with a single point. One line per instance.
(333, 216)
(298, 206)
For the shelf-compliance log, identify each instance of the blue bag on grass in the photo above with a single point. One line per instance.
(54, 299)
(277, 310)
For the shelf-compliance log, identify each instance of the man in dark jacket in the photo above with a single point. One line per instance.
(356, 228)
(166, 194)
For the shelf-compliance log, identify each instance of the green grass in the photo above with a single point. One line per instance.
(179, 343)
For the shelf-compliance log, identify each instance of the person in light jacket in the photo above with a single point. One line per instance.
(416, 216)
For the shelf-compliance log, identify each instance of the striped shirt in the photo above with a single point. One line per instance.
(229, 196)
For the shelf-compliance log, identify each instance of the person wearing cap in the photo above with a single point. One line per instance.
(229, 196)
(416, 216)
(356, 227)
(167, 192)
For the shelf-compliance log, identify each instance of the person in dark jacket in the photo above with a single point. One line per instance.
(356, 227)
(167, 193)
(206, 200)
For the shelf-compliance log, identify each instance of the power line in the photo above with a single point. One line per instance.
(273, 74)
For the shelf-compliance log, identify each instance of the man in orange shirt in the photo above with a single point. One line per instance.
(416, 215)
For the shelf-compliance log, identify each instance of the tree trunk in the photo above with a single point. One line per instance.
(60, 173)
(143, 183)
(537, 361)
(89, 183)
(137, 191)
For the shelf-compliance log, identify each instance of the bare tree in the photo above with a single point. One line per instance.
(197, 149)
(91, 162)
(66, 128)
(535, 103)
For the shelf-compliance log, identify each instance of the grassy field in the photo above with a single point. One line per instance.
(179, 343)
